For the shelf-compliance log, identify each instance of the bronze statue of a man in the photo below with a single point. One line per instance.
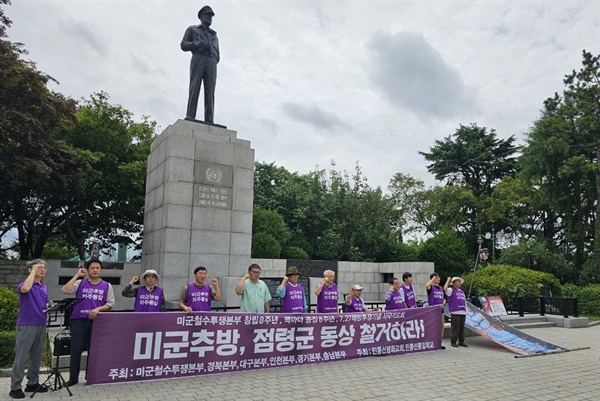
(204, 45)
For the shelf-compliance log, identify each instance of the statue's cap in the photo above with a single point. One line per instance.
(206, 10)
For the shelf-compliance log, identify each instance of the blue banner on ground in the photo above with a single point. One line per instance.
(505, 335)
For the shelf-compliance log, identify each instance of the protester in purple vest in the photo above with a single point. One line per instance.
(410, 300)
(394, 298)
(98, 296)
(31, 330)
(149, 297)
(196, 296)
(354, 302)
(457, 305)
(435, 296)
(327, 294)
(292, 293)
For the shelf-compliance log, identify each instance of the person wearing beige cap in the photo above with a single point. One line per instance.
(457, 305)
(354, 303)
(149, 297)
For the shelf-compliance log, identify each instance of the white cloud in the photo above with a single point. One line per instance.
(308, 82)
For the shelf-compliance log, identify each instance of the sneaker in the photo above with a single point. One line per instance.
(454, 345)
(442, 347)
(17, 394)
(40, 388)
(71, 383)
(463, 344)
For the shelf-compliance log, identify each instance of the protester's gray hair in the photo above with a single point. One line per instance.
(326, 272)
(30, 264)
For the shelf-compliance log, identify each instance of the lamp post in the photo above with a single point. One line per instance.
(482, 253)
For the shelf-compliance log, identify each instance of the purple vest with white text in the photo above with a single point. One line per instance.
(293, 302)
(357, 305)
(94, 297)
(436, 295)
(395, 301)
(409, 296)
(457, 301)
(146, 301)
(327, 300)
(198, 298)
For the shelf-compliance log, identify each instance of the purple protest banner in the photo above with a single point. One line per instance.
(149, 346)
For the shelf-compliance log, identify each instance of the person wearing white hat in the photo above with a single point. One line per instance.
(354, 303)
(457, 305)
(149, 297)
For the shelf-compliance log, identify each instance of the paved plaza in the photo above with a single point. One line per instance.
(484, 371)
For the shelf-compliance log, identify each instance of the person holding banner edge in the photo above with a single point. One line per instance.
(31, 330)
(98, 297)
(457, 305)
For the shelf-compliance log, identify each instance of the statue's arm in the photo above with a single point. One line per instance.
(187, 43)
(218, 51)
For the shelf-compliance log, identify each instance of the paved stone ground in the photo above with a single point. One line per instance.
(484, 371)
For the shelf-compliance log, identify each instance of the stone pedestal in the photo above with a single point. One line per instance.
(199, 199)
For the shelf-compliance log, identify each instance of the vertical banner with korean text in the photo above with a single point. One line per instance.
(148, 346)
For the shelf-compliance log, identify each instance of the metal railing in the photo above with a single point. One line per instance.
(544, 305)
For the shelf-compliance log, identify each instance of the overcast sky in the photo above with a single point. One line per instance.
(310, 81)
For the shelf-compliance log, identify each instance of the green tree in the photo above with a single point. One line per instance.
(113, 149)
(270, 222)
(447, 250)
(38, 170)
(538, 254)
(331, 215)
(471, 162)
(265, 246)
(561, 161)
(473, 157)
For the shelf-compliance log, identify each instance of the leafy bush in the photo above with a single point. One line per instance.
(7, 348)
(588, 297)
(508, 281)
(294, 252)
(264, 246)
(9, 309)
(270, 222)
(589, 300)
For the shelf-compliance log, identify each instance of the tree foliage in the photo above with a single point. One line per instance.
(473, 157)
(37, 169)
(561, 161)
(538, 254)
(331, 215)
(113, 149)
(66, 170)
(448, 251)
